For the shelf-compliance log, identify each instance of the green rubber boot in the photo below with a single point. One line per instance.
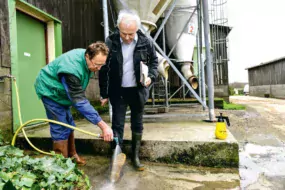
(136, 144)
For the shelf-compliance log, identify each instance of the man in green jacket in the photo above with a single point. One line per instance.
(62, 84)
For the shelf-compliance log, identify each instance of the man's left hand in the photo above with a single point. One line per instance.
(104, 101)
(148, 82)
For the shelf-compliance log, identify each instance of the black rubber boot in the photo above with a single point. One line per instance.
(136, 144)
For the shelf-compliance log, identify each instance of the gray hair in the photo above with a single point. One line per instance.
(129, 15)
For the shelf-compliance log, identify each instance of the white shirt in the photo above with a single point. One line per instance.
(129, 79)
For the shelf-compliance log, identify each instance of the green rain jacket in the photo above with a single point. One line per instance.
(48, 83)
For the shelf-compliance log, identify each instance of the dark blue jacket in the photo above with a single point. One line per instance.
(110, 75)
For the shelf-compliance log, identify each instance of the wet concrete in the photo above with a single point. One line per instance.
(262, 167)
(160, 176)
(189, 142)
(260, 131)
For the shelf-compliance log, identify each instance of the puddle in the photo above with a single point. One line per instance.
(161, 176)
(263, 165)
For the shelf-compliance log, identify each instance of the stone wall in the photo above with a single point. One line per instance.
(5, 105)
(5, 84)
(273, 91)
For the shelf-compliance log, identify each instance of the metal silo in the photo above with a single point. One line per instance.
(183, 39)
(149, 12)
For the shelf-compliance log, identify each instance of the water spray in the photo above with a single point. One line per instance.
(118, 161)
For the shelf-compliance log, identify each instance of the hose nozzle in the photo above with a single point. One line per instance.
(116, 140)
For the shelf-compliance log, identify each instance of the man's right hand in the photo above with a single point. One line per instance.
(106, 130)
(103, 101)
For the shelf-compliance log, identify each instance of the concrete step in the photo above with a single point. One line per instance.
(190, 142)
(177, 112)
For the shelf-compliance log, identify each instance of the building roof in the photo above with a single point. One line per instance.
(267, 63)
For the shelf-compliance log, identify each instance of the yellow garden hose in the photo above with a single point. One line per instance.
(37, 120)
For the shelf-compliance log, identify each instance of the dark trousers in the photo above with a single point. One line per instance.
(127, 97)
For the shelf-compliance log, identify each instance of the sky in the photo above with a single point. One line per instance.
(258, 34)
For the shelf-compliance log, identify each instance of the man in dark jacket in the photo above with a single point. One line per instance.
(61, 84)
(119, 79)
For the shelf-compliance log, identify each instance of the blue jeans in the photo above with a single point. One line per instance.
(57, 112)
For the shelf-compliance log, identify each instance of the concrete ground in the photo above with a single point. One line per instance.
(159, 176)
(260, 131)
(175, 146)
(176, 140)
(174, 131)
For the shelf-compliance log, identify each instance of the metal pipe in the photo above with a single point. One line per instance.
(172, 6)
(183, 90)
(173, 66)
(198, 38)
(163, 40)
(105, 18)
(175, 92)
(165, 84)
(176, 70)
(210, 78)
(198, 60)
(170, 62)
(202, 65)
(106, 34)
(166, 93)
(151, 87)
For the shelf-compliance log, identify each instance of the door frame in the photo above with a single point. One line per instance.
(54, 39)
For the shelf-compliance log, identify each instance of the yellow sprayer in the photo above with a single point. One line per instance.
(221, 127)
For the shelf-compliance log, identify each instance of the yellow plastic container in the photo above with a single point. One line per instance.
(221, 127)
(221, 131)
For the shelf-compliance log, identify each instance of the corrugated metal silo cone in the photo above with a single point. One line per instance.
(185, 46)
(149, 12)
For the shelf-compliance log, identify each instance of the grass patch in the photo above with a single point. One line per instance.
(230, 106)
(237, 95)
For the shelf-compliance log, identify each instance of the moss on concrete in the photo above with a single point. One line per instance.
(219, 155)
(6, 126)
(210, 154)
(5, 136)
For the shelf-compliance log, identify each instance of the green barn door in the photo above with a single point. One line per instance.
(31, 58)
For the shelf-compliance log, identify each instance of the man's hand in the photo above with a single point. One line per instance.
(103, 101)
(106, 130)
(148, 81)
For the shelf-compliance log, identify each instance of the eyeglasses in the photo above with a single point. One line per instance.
(96, 64)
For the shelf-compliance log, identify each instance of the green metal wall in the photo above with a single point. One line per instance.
(28, 55)
(31, 49)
